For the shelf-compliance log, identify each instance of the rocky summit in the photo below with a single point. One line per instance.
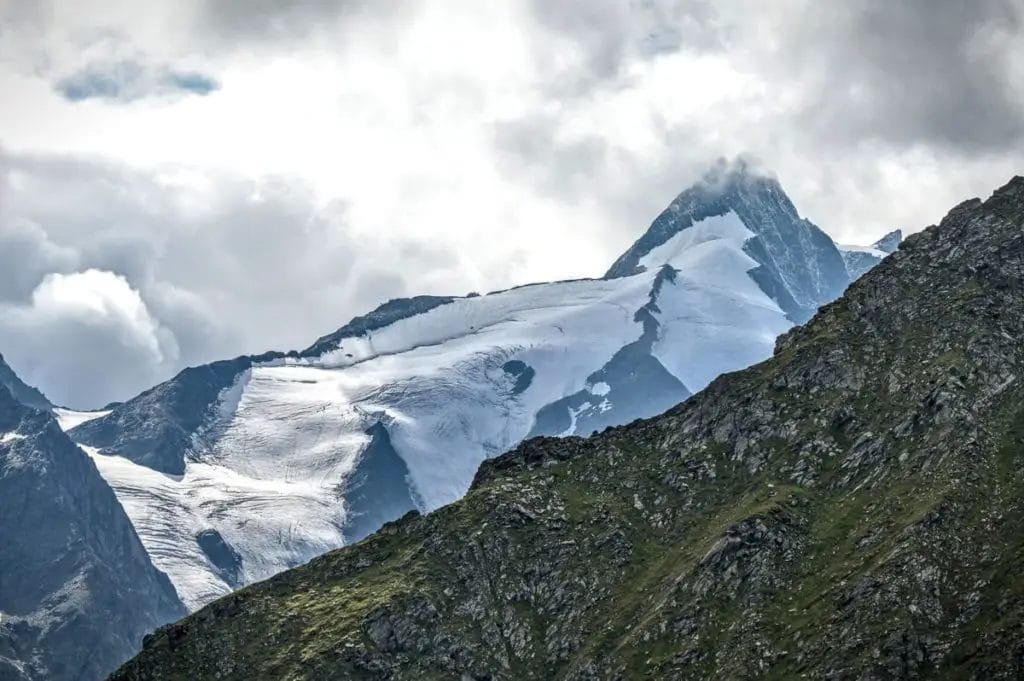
(849, 509)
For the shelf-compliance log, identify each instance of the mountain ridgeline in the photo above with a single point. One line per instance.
(236, 470)
(848, 509)
(21, 391)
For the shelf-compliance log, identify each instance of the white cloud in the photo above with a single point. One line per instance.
(90, 325)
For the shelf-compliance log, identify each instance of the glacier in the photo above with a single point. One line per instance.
(238, 470)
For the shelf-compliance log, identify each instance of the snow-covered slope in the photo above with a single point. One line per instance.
(275, 459)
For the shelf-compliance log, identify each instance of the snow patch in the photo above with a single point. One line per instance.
(69, 418)
(573, 417)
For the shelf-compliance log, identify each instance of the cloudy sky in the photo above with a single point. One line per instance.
(187, 180)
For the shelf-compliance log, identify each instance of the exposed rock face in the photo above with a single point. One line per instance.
(859, 262)
(860, 259)
(388, 313)
(77, 590)
(849, 509)
(641, 384)
(158, 428)
(21, 391)
(890, 242)
(378, 489)
(222, 555)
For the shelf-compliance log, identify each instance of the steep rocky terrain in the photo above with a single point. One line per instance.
(77, 589)
(21, 391)
(849, 509)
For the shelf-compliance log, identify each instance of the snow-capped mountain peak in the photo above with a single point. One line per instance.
(798, 265)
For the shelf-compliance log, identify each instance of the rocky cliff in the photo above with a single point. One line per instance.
(19, 390)
(77, 590)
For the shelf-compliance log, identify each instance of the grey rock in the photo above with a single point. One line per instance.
(77, 590)
(378, 489)
(21, 391)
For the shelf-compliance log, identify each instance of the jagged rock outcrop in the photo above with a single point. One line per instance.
(849, 509)
(21, 391)
(77, 590)
(388, 313)
(860, 259)
(890, 242)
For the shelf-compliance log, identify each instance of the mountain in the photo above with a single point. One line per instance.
(849, 509)
(77, 588)
(19, 390)
(860, 259)
(234, 471)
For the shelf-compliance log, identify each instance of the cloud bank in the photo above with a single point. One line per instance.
(90, 333)
(260, 172)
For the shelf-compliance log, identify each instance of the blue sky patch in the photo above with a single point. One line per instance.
(128, 81)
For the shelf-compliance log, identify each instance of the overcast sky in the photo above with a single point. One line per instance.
(188, 180)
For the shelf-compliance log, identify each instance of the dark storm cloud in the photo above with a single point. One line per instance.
(287, 20)
(27, 255)
(129, 80)
(904, 73)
